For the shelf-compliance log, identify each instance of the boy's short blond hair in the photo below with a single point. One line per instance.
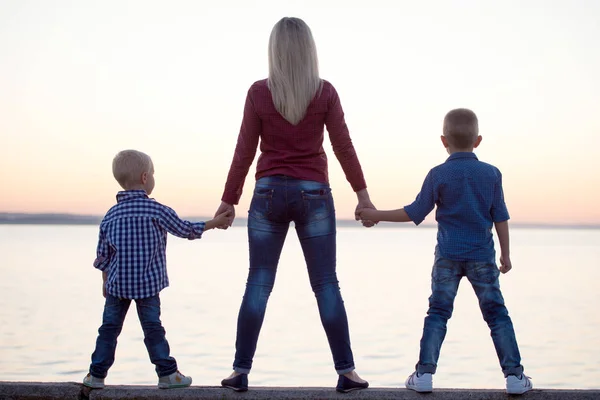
(461, 128)
(128, 167)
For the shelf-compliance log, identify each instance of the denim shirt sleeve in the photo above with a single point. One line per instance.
(425, 201)
(102, 252)
(170, 221)
(499, 211)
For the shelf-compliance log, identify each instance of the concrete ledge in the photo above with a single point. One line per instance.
(76, 391)
(39, 390)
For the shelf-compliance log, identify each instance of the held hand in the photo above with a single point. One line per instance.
(225, 208)
(362, 205)
(224, 219)
(505, 264)
(363, 214)
(367, 215)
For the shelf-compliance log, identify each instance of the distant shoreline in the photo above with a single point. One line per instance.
(76, 219)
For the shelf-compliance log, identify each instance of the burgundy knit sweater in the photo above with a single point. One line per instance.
(292, 150)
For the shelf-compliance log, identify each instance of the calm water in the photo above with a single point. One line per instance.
(51, 305)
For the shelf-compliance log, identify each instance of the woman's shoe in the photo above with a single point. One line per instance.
(346, 385)
(239, 383)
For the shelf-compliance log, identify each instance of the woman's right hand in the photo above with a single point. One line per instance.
(224, 207)
(364, 201)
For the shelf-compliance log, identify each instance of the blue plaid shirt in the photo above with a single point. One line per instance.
(133, 241)
(469, 199)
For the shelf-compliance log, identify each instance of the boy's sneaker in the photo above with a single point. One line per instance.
(518, 385)
(175, 380)
(93, 382)
(422, 383)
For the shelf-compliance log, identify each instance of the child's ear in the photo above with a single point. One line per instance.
(477, 141)
(144, 178)
(444, 141)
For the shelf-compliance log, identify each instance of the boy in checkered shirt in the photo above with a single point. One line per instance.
(131, 254)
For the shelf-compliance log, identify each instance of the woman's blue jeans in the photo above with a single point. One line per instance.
(277, 201)
(115, 310)
(483, 276)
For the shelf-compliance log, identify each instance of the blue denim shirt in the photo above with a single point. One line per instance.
(469, 199)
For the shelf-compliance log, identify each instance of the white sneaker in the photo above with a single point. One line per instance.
(93, 382)
(175, 380)
(422, 383)
(515, 385)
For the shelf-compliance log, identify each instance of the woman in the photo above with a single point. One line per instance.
(288, 112)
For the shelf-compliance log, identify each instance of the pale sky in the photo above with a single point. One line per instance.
(81, 80)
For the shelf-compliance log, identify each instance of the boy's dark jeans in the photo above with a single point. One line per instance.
(148, 310)
(445, 277)
(277, 201)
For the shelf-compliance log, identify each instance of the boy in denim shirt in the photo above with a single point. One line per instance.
(469, 199)
(132, 257)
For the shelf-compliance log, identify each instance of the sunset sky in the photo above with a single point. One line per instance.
(81, 80)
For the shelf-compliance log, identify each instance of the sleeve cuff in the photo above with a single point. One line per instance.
(101, 263)
(410, 213)
(501, 218)
(197, 231)
(230, 199)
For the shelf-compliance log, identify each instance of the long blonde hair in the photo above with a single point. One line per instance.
(293, 68)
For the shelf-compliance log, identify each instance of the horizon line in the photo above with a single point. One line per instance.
(49, 218)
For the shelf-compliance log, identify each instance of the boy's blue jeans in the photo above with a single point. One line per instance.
(148, 310)
(445, 277)
(277, 201)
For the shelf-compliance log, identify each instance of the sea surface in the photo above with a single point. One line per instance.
(51, 307)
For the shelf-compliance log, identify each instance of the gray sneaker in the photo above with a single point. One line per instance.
(175, 380)
(518, 385)
(93, 382)
(422, 383)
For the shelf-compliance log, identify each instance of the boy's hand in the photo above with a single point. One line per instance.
(505, 264)
(364, 202)
(223, 220)
(365, 215)
(225, 207)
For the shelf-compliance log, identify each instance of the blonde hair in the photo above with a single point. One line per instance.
(128, 167)
(461, 128)
(293, 68)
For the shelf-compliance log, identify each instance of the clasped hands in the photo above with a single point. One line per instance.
(362, 205)
(229, 208)
(359, 215)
